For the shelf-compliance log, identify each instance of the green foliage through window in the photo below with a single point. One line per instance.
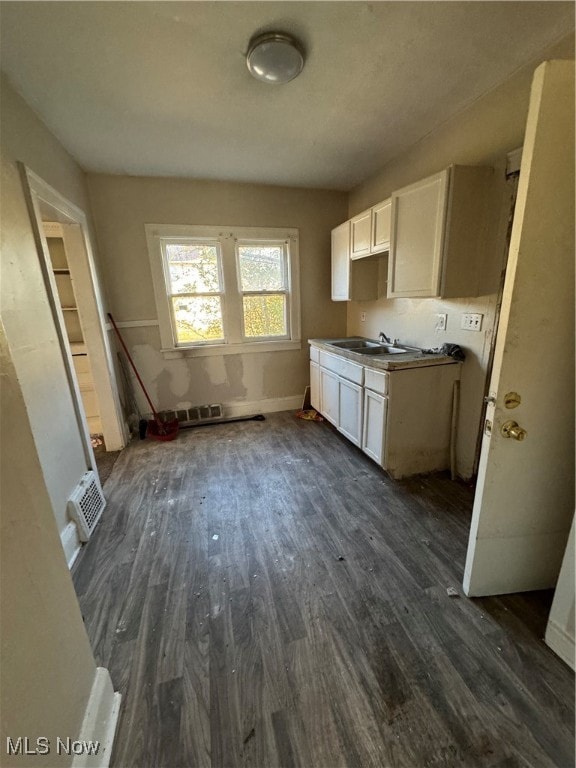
(265, 315)
(261, 267)
(198, 318)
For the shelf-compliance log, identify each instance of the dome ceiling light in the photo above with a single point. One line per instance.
(275, 58)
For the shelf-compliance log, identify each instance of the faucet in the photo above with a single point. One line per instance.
(385, 340)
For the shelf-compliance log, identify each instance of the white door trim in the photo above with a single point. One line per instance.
(90, 307)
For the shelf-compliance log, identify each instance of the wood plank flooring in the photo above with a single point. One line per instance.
(263, 595)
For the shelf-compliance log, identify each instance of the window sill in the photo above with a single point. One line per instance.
(249, 348)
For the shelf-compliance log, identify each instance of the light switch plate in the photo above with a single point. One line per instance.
(471, 321)
(362, 317)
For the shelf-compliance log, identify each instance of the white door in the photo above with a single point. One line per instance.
(525, 494)
(350, 411)
(381, 220)
(329, 395)
(417, 238)
(374, 424)
(341, 262)
(315, 401)
(360, 234)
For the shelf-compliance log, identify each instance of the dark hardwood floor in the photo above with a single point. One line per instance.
(263, 595)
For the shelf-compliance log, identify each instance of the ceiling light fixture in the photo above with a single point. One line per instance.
(275, 57)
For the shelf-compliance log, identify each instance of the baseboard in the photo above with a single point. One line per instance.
(71, 543)
(100, 721)
(291, 403)
(560, 642)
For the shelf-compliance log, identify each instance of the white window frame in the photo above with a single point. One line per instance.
(285, 291)
(232, 308)
(221, 294)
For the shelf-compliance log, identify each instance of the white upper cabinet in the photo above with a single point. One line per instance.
(341, 262)
(370, 231)
(360, 235)
(418, 237)
(440, 234)
(351, 280)
(381, 221)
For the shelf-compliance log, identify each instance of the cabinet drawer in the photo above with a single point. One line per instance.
(375, 380)
(342, 367)
(315, 354)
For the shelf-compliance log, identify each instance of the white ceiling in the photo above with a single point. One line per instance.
(161, 88)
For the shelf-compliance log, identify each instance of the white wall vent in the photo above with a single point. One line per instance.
(86, 504)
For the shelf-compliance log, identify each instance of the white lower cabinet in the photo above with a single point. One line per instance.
(341, 403)
(374, 432)
(329, 395)
(401, 419)
(350, 409)
(315, 400)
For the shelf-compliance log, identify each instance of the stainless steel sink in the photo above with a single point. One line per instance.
(356, 344)
(370, 347)
(381, 349)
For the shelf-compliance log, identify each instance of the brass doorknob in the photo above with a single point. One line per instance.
(512, 429)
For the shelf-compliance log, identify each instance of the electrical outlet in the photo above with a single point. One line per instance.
(471, 321)
(362, 317)
(441, 320)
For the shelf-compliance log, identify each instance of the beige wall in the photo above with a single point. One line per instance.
(482, 135)
(123, 205)
(26, 138)
(47, 664)
(29, 325)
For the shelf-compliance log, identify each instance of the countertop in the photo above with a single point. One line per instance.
(395, 362)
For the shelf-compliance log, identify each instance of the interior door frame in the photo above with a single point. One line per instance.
(78, 248)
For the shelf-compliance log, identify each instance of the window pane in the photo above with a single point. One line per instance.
(261, 267)
(265, 316)
(193, 268)
(198, 318)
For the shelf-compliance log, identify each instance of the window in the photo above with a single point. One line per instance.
(194, 286)
(262, 268)
(222, 290)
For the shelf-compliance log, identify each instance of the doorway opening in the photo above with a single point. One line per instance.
(63, 240)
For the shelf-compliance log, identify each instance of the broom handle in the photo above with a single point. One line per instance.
(133, 366)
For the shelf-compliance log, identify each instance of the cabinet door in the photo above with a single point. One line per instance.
(381, 220)
(350, 411)
(329, 395)
(360, 235)
(375, 407)
(341, 262)
(417, 237)
(315, 387)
